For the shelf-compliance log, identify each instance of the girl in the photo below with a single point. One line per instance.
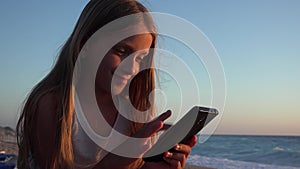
(49, 135)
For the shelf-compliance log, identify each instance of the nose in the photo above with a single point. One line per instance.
(131, 67)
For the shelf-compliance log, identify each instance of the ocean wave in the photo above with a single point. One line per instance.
(222, 163)
(278, 149)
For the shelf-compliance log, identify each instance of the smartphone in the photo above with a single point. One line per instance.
(189, 125)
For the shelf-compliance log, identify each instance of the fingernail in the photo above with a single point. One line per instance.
(168, 112)
(177, 147)
(169, 154)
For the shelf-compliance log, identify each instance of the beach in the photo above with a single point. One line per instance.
(220, 151)
(8, 141)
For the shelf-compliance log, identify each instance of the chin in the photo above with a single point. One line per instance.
(117, 90)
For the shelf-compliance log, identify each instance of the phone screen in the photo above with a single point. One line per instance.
(181, 132)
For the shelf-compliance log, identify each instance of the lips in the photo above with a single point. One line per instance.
(121, 79)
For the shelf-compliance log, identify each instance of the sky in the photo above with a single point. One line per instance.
(258, 43)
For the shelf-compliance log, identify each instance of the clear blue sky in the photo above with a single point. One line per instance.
(257, 41)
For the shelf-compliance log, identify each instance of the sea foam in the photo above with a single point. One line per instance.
(230, 164)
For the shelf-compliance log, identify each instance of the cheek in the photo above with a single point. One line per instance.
(111, 61)
(137, 68)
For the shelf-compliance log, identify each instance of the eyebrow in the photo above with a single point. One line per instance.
(145, 51)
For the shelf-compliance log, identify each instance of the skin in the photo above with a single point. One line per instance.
(174, 160)
(139, 45)
(118, 66)
(126, 56)
(127, 66)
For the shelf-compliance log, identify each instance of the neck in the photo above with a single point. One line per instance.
(106, 105)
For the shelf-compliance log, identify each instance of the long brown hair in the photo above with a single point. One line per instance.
(96, 14)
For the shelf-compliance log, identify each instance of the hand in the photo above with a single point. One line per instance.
(175, 159)
(138, 147)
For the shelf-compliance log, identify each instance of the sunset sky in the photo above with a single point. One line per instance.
(258, 43)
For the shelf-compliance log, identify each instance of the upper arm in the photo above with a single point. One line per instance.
(44, 131)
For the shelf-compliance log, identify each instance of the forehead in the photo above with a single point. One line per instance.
(138, 42)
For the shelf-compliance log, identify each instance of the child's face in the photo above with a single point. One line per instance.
(125, 57)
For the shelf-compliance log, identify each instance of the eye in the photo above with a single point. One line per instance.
(140, 58)
(121, 51)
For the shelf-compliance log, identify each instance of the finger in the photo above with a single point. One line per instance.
(182, 148)
(172, 162)
(166, 127)
(156, 124)
(163, 116)
(152, 127)
(181, 157)
(149, 129)
(193, 141)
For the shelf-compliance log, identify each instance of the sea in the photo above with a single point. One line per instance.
(247, 152)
